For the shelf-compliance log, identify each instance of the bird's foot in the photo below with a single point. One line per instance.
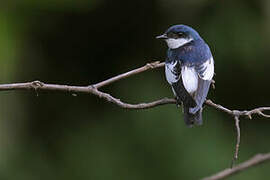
(178, 102)
(213, 84)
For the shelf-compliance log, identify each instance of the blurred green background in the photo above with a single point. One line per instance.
(81, 42)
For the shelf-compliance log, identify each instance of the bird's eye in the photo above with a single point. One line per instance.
(175, 35)
(180, 34)
(170, 34)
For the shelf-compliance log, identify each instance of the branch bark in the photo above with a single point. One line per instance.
(256, 160)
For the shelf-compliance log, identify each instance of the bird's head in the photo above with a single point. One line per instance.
(178, 35)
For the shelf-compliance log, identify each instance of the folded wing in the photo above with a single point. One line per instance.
(173, 76)
(205, 73)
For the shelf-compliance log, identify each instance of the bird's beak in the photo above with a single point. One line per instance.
(163, 36)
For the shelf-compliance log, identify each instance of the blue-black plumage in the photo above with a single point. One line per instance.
(189, 69)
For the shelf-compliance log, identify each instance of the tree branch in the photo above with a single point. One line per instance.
(94, 89)
(256, 160)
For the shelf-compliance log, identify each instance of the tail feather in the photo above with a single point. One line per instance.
(192, 119)
(193, 115)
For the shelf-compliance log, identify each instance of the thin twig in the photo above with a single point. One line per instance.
(148, 66)
(235, 157)
(218, 107)
(256, 160)
(258, 111)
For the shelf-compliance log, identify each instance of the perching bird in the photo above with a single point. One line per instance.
(189, 69)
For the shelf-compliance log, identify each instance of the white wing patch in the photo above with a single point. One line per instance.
(171, 76)
(190, 79)
(207, 70)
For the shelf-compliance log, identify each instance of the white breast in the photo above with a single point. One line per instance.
(189, 78)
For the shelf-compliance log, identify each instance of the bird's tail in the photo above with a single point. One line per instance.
(192, 119)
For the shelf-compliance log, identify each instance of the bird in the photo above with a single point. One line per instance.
(189, 69)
